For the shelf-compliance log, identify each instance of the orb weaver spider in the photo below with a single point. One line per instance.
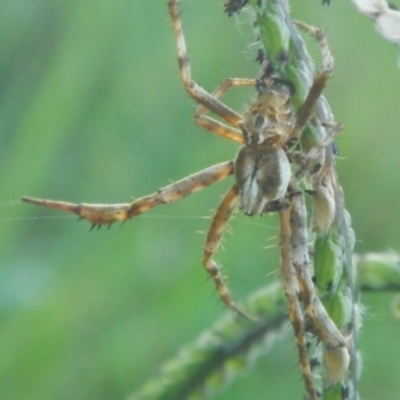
(261, 167)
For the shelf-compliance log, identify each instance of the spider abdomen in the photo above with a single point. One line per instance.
(262, 175)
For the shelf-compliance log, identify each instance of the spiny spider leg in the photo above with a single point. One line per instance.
(292, 291)
(336, 353)
(191, 87)
(102, 214)
(323, 74)
(213, 240)
(321, 324)
(212, 124)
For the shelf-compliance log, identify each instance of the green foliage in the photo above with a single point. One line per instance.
(229, 348)
(92, 109)
(327, 263)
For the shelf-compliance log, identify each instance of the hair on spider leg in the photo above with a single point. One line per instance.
(181, 8)
(296, 363)
(276, 237)
(274, 273)
(271, 246)
(98, 226)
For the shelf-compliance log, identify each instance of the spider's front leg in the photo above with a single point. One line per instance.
(207, 100)
(106, 214)
(212, 124)
(192, 88)
(214, 236)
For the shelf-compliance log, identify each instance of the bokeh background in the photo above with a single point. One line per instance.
(92, 109)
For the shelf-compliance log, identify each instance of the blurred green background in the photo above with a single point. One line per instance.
(92, 109)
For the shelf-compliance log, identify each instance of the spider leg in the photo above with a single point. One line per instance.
(101, 214)
(292, 292)
(214, 236)
(212, 124)
(321, 324)
(336, 354)
(192, 88)
(324, 73)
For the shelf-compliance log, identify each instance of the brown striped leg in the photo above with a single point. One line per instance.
(192, 88)
(324, 73)
(212, 124)
(292, 292)
(102, 214)
(214, 236)
(336, 354)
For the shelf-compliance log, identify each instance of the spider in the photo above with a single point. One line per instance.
(261, 168)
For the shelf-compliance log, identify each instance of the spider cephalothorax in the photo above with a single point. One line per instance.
(262, 169)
